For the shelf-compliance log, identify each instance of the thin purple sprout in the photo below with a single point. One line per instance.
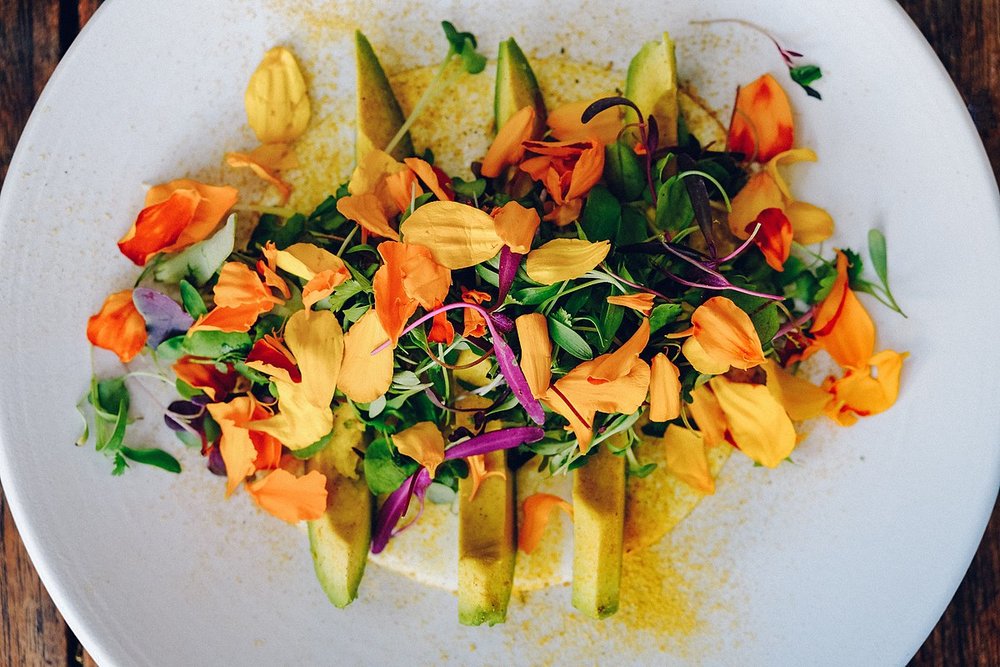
(797, 323)
(727, 286)
(736, 253)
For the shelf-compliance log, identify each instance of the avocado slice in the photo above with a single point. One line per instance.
(652, 84)
(340, 539)
(516, 88)
(598, 526)
(379, 115)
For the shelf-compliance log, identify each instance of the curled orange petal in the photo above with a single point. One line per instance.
(774, 238)
(159, 225)
(215, 202)
(507, 148)
(842, 326)
(478, 472)
(426, 173)
(516, 226)
(537, 509)
(638, 301)
(118, 326)
(204, 375)
(664, 390)
(290, 498)
(762, 123)
(423, 443)
(759, 193)
(587, 172)
(366, 210)
(726, 333)
(266, 162)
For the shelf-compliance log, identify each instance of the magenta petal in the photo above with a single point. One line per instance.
(509, 263)
(485, 443)
(507, 364)
(392, 510)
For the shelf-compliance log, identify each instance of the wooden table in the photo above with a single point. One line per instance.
(35, 33)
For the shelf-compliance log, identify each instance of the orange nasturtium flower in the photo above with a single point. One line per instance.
(435, 179)
(565, 123)
(767, 189)
(304, 416)
(664, 390)
(423, 443)
(365, 376)
(118, 326)
(639, 301)
(536, 352)
(568, 170)
(617, 382)
(687, 458)
(475, 323)
(516, 226)
(267, 162)
(508, 147)
(537, 509)
(240, 298)
(244, 450)
(321, 269)
(176, 215)
(409, 277)
(267, 268)
(274, 358)
(290, 498)
(762, 123)
(202, 374)
(726, 334)
(276, 100)
(861, 393)
(842, 326)
(774, 238)
(564, 259)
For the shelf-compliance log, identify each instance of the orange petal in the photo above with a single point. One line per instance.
(537, 509)
(726, 333)
(392, 304)
(762, 123)
(266, 268)
(270, 356)
(474, 324)
(424, 280)
(402, 188)
(758, 423)
(608, 367)
(234, 320)
(366, 210)
(536, 351)
(566, 126)
(239, 287)
(261, 162)
(842, 326)
(458, 235)
(565, 213)
(118, 327)
(237, 449)
(425, 172)
(291, 498)
(787, 157)
(564, 259)
(664, 390)
(687, 459)
(478, 472)
(801, 399)
(861, 392)
(810, 224)
(442, 330)
(363, 376)
(708, 415)
(701, 360)
(322, 270)
(423, 443)
(159, 225)
(587, 172)
(215, 202)
(204, 375)
(507, 148)
(575, 408)
(516, 226)
(638, 301)
(759, 193)
(774, 238)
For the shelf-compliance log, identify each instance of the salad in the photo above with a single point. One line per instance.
(606, 285)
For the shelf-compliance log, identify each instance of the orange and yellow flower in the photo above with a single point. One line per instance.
(409, 277)
(118, 326)
(762, 124)
(568, 170)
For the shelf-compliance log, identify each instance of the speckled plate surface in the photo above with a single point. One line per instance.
(847, 557)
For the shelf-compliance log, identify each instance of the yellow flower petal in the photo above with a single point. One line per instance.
(276, 101)
(566, 126)
(785, 158)
(423, 443)
(664, 390)
(758, 423)
(516, 226)
(235, 446)
(536, 351)
(810, 224)
(363, 376)
(458, 235)
(687, 459)
(801, 399)
(726, 333)
(367, 211)
(708, 415)
(564, 259)
(702, 361)
(290, 498)
(305, 260)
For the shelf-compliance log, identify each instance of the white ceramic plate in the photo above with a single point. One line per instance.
(847, 557)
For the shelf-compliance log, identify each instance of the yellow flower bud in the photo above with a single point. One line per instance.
(276, 100)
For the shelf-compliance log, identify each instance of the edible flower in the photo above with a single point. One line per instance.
(480, 470)
(564, 259)
(240, 298)
(565, 123)
(641, 302)
(267, 162)
(118, 327)
(475, 323)
(687, 458)
(725, 334)
(536, 351)
(842, 326)
(244, 450)
(611, 383)
(458, 235)
(423, 443)
(409, 277)
(516, 226)
(204, 375)
(664, 390)
(568, 170)
(176, 215)
(365, 376)
(277, 103)
(290, 498)
(762, 124)
(321, 269)
(508, 146)
(862, 392)
(537, 509)
(757, 422)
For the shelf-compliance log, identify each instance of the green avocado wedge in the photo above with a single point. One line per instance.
(652, 84)
(340, 539)
(379, 115)
(487, 545)
(516, 88)
(598, 528)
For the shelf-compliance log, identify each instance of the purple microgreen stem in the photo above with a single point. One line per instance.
(637, 286)
(794, 324)
(719, 287)
(743, 246)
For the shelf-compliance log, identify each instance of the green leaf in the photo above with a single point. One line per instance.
(562, 333)
(612, 320)
(532, 296)
(315, 448)
(673, 205)
(215, 344)
(805, 74)
(283, 233)
(152, 457)
(623, 171)
(763, 313)
(191, 300)
(342, 294)
(201, 260)
(633, 227)
(171, 349)
(662, 315)
(114, 442)
(384, 472)
(471, 189)
(601, 216)
(879, 256)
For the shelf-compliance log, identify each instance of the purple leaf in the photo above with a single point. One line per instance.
(509, 263)
(485, 443)
(606, 103)
(503, 323)
(507, 363)
(164, 316)
(391, 512)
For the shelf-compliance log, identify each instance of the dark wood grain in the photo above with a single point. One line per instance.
(35, 33)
